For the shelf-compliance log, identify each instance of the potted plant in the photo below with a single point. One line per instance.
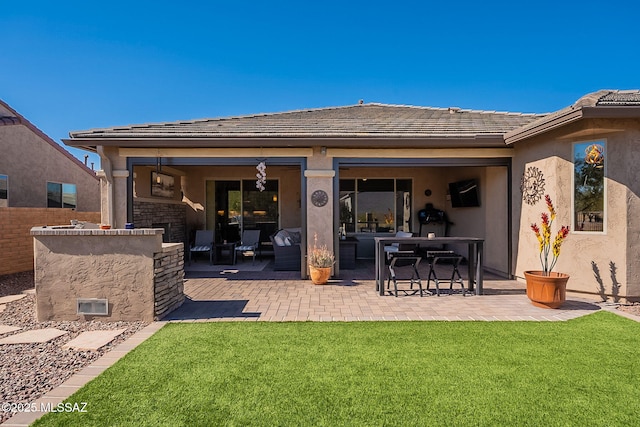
(320, 260)
(545, 288)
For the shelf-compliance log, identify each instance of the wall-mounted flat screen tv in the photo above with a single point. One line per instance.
(464, 194)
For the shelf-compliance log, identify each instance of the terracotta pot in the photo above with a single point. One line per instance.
(319, 275)
(546, 291)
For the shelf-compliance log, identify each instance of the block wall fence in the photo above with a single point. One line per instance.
(16, 241)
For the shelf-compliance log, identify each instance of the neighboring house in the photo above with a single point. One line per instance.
(371, 168)
(35, 172)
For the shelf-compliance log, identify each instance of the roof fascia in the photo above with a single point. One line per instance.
(555, 121)
(466, 141)
(611, 112)
(545, 125)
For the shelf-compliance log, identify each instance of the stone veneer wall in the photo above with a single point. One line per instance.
(147, 214)
(168, 281)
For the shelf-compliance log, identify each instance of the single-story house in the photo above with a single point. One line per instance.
(373, 169)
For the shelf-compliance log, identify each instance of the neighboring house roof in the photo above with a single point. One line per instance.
(10, 117)
(371, 121)
(597, 105)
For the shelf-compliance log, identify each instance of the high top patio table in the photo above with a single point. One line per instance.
(475, 256)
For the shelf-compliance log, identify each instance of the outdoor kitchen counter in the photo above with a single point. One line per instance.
(131, 271)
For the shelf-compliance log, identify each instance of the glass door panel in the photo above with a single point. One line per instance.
(260, 208)
(227, 210)
(233, 206)
(376, 204)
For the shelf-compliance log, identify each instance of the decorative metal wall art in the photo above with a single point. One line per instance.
(532, 185)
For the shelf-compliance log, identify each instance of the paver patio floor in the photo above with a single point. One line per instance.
(283, 296)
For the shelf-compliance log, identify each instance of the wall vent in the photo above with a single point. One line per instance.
(93, 306)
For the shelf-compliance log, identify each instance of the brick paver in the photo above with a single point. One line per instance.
(249, 296)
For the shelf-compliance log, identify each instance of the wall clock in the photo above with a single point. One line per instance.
(319, 198)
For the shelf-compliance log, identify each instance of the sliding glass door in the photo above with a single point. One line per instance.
(237, 205)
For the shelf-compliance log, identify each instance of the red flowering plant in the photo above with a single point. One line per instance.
(544, 238)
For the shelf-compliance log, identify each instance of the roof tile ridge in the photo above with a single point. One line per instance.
(456, 109)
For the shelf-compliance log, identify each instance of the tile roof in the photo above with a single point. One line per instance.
(620, 97)
(371, 120)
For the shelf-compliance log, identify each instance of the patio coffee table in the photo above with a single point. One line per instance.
(218, 253)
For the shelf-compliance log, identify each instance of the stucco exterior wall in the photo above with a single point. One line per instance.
(494, 195)
(320, 175)
(113, 264)
(30, 162)
(624, 158)
(598, 263)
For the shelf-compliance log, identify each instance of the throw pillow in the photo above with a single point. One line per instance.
(279, 240)
(296, 236)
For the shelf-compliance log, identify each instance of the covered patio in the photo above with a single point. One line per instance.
(283, 297)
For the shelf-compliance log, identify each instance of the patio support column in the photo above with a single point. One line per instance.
(320, 210)
(113, 187)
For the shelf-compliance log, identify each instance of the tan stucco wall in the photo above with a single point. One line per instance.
(587, 257)
(495, 201)
(320, 176)
(30, 162)
(113, 187)
(105, 265)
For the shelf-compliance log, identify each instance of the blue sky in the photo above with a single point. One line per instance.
(77, 65)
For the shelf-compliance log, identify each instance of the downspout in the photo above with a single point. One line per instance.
(108, 175)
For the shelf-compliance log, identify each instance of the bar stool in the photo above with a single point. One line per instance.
(404, 259)
(432, 259)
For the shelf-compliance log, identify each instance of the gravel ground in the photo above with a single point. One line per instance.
(11, 284)
(630, 308)
(27, 371)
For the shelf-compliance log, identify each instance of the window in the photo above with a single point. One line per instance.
(375, 205)
(61, 195)
(4, 191)
(588, 186)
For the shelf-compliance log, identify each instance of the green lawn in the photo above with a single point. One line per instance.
(582, 372)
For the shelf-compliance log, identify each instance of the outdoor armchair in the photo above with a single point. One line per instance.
(202, 243)
(249, 244)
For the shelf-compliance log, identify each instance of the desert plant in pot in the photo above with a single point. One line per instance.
(320, 260)
(546, 288)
